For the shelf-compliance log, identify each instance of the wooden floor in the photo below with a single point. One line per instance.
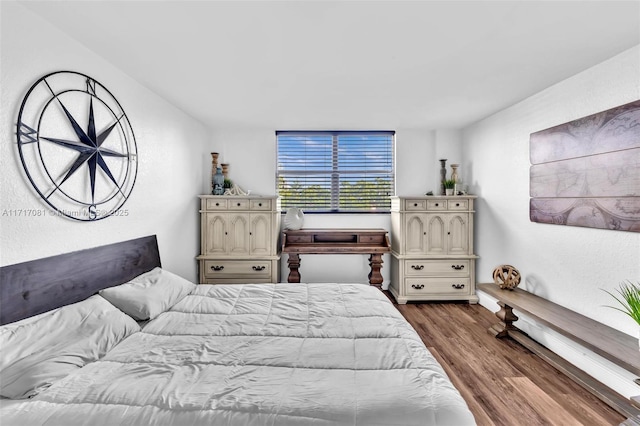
(502, 382)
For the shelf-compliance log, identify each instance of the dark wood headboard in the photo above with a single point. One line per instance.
(31, 288)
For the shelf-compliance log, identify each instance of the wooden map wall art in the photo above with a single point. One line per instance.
(587, 172)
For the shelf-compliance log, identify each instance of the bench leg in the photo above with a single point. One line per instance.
(507, 318)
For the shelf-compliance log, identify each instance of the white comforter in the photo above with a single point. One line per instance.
(283, 354)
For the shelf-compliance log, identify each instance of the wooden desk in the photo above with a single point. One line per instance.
(374, 242)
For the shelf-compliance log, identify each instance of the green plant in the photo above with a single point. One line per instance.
(449, 183)
(228, 184)
(629, 299)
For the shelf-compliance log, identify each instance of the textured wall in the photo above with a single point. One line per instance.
(170, 144)
(565, 264)
(568, 265)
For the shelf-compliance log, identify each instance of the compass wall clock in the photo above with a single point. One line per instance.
(77, 146)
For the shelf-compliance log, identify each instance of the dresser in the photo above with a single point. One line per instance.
(239, 239)
(432, 254)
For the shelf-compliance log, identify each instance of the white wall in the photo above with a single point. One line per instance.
(170, 145)
(567, 265)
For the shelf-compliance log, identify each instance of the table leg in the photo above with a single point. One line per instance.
(375, 277)
(507, 318)
(294, 264)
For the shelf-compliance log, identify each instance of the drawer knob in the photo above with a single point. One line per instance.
(217, 268)
(259, 204)
(415, 204)
(417, 286)
(217, 204)
(437, 204)
(417, 267)
(258, 268)
(457, 204)
(457, 267)
(457, 286)
(238, 204)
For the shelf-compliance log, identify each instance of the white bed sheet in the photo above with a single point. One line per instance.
(260, 354)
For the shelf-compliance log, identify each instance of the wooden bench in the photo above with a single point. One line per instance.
(617, 347)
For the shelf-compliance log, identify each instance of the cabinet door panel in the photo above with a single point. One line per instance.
(415, 234)
(260, 238)
(436, 235)
(238, 238)
(458, 234)
(215, 233)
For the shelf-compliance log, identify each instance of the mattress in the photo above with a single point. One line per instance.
(259, 354)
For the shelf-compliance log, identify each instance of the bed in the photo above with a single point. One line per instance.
(152, 348)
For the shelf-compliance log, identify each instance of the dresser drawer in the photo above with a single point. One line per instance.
(238, 204)
(436, 205)
(260, 204)
(236, 268)
(216, 204)
(372, 239)
(415, 205)
(437, 268)
(437, 286)
(458, 204)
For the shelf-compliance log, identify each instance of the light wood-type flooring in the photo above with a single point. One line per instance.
(502, 382)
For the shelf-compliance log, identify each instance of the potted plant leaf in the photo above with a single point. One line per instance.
(449, 185)
(628, 296)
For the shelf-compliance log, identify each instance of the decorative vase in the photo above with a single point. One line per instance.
(218, 182)
(214, 167)
(454, 173)
(443, 175)
(294, 219)
(225, 170)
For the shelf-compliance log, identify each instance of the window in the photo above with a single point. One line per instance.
(336, 171)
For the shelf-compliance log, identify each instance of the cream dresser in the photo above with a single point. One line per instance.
(432, 248)
(239, 239)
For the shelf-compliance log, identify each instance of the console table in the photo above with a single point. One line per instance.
(374, 242)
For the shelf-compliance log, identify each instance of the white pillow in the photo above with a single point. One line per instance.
(148, 295)
(38, 351)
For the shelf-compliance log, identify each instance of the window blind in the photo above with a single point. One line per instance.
(336, 171)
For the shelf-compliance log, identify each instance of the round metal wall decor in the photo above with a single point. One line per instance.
(77, 146)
